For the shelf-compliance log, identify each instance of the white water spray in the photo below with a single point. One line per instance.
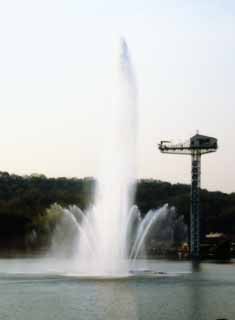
(115, 188)
(111, 234)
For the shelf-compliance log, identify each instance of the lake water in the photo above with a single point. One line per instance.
(206, 292)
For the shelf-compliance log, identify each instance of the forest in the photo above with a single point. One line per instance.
(25, 200)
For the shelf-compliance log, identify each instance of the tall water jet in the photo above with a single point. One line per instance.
(108, 221)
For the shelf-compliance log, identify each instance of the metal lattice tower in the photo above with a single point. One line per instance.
(196, 146)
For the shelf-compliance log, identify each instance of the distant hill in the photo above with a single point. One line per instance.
(217, 208)
(24, 201)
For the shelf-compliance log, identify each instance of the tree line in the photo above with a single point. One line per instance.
(24, 201)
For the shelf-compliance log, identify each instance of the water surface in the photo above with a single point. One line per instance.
(197, 293)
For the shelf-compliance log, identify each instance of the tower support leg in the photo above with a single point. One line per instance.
(195, 206)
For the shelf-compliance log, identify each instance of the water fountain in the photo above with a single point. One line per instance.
(109, 236)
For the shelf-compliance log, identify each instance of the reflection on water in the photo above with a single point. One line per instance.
(196, 309)
(116, 300)
(196, 266)
(191, 292)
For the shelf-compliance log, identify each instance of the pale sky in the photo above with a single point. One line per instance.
(56, 62)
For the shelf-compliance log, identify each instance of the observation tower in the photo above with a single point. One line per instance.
(196, 146)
